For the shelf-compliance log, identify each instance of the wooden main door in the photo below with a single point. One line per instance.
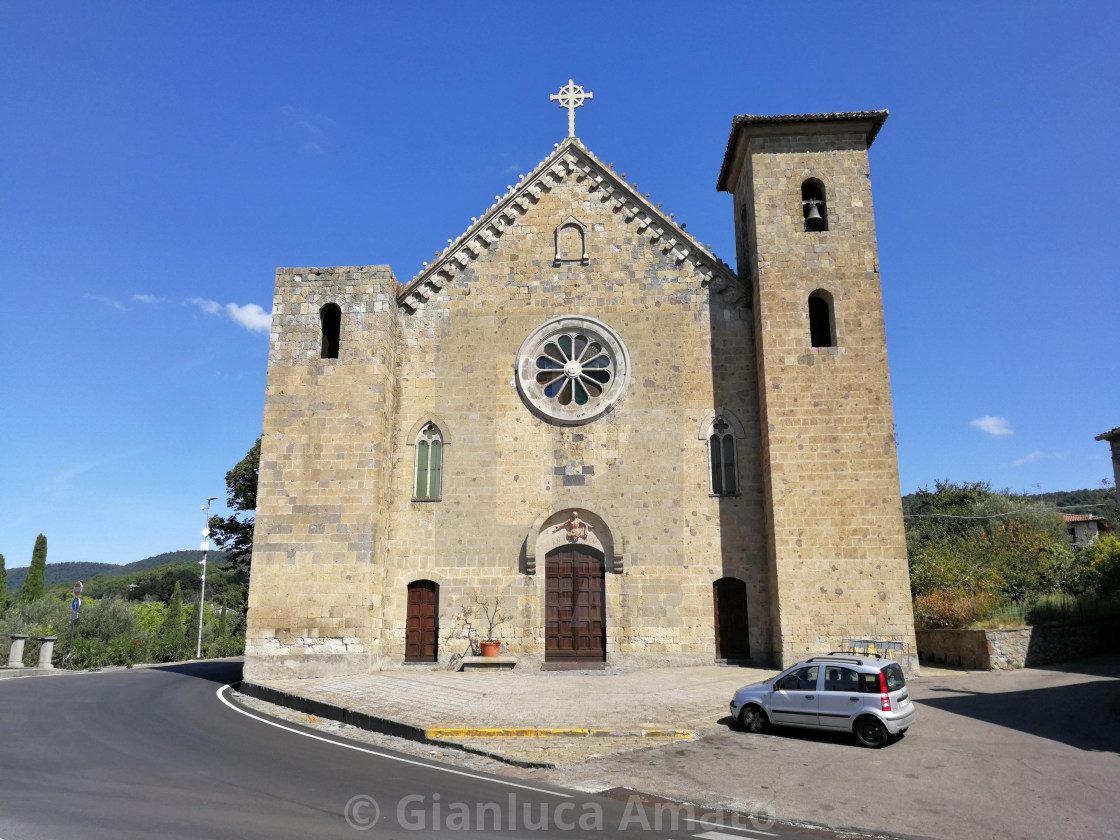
(422, 627)
(729, 596)
(574, 627)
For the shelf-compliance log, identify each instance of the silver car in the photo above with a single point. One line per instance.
(858, 693)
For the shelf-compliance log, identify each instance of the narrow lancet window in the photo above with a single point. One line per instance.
(721, 459)
(330, 317)
(429, 463)
(822, 321)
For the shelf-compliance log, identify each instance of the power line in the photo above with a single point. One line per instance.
(995, 515)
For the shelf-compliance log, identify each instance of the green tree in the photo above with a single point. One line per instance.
(235, 532)
(192, 622)
(1103, 556)
(172, 644)
(223, 622)
(37, 574)
(173, 617)
(3, 584)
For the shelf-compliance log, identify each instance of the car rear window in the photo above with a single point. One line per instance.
(895, 678)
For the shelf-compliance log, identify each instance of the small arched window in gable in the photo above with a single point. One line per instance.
(571, 242)
(330, 318)
(721, 459)
(814, 207)
(822, 319)
(429, 463)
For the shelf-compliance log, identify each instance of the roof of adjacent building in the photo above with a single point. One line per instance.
(1079, 517)
(738, 123)
(1111, 434)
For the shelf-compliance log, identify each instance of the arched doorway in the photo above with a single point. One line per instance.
(422, 625)
(575, 628)
(729, 599)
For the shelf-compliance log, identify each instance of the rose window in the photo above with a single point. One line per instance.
(572, 369)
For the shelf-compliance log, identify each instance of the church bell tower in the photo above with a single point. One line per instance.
(806, 247)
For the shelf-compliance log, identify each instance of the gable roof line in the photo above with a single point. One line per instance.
(549, 173)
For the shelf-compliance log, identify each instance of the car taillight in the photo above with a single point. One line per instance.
(886, 698)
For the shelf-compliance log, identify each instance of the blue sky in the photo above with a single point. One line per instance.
(159, 160)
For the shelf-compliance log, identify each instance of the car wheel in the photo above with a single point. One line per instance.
(752, 718)
(871, 733)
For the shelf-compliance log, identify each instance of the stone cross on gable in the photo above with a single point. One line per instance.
(571, 96)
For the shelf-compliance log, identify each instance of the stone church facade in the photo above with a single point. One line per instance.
(579, 414)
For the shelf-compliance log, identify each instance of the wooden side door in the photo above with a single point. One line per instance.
(574, 626)
(729, 597)
(422, 625)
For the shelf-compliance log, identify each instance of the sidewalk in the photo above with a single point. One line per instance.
(535, 718)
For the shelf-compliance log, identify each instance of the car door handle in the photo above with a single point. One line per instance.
(808, 696)
(854, 699)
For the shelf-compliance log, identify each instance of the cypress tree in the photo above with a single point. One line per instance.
(192, 624)
(223, 621)
(173, 618)
(35, 581)
(3, 584)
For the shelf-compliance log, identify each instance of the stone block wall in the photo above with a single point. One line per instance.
(1023, 647)
(322, 494)
(837, 545)
(638, 473)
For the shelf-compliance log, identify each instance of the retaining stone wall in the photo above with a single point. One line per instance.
(1025, 647)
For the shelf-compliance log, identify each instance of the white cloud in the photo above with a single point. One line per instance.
(116, 304)
(151, 300)
(313, 125)
(992, 425)
(1035, 456)
(210, 307)
(251, 316)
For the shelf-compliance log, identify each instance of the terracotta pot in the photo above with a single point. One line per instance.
(490, 648)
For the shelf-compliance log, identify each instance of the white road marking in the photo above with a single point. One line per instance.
(722, 835)
(390, 756)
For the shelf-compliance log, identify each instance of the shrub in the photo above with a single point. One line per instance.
(226, 647)
(106, 620)
(123, 650)
(168, 647)
(88, 653)
(1104, 558)
(951, 610)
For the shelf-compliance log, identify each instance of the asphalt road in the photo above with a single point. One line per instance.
(158, 752)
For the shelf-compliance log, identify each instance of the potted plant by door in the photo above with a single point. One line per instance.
(494, 616)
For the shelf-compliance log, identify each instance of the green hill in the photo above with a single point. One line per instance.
(60, 573)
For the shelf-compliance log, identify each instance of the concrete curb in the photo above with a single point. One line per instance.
(374, 723)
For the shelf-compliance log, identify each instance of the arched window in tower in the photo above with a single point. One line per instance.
(721, 459)
(429, 464)
(822, 320)
(814, 207)
(330, 318)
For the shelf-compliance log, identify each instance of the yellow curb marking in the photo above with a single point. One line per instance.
(555, 733)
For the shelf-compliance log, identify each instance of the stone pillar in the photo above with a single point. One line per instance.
(15, 657)
(1113, 438)
(46, 652)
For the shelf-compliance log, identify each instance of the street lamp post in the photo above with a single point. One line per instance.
(202, 562)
